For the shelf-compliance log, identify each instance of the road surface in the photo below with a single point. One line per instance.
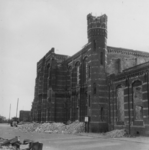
(73, 142)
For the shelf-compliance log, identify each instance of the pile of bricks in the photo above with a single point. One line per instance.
(51, 127)
(116, 133)
(75, 127)
(16, 144)
(28, 127)
(12, 144)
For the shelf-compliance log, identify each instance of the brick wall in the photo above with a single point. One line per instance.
(136, 105)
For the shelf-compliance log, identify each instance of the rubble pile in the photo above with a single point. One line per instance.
(28, 127)
(2, 140)
(75, 127)
(7, 148)
(51, 127)
(12, 144)
(16, 144)
(116, 133)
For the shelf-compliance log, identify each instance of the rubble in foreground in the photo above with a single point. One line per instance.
(72, 128)
(15, 144)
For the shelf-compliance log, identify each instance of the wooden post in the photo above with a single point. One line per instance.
(17, 107)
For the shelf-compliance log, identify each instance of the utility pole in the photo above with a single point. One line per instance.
(9, 111)
(17, 107)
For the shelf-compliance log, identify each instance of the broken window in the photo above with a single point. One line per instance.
(137, 100)
(120, 104)
(50, 95)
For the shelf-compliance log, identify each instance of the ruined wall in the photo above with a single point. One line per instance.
(43, 108)
(75, 87)
(25, 116)
(119, 60)
(61, 91)
(132, 97)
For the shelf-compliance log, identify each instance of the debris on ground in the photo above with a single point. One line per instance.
(74, 127)
(116, 133)
(51, 127)
(69, 128)
(10, 144)
(15, 144)
(28, 127)
(2, 140)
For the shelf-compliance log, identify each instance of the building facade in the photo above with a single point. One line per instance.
(129, 100)
(25, 116)
(72, 88)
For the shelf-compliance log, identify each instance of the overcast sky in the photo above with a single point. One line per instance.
(29, 28)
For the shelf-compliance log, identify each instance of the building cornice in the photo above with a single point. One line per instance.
(127, 51)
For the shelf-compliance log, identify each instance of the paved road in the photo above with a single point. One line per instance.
(73, 142)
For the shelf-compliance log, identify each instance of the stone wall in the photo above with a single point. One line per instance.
(135, 86)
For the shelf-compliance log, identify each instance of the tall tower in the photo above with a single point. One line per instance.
(97, 31)
(97, 88)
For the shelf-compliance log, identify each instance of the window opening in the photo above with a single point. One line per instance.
(120, 104)
(78, 70)
(137, 100)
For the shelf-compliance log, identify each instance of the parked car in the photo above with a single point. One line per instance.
(14, 122)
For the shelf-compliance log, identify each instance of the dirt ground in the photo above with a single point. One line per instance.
(84, 141)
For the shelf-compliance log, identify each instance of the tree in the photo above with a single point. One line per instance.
(2, 119)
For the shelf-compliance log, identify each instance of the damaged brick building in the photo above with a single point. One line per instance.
(108, 85)
(25, 116)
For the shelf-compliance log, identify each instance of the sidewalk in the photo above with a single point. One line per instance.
(139, 139)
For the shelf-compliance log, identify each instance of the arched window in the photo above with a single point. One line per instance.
(120, 103)
(73, 76)
(137, 100)
(78, 72)
(84, 69)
